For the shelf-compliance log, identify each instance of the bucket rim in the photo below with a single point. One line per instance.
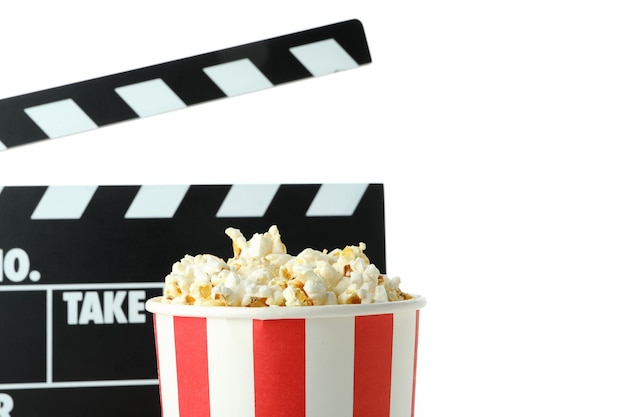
(155, 306)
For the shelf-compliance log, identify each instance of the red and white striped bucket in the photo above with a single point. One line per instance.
(339, 361)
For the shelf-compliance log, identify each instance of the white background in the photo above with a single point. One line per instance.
(497, 127)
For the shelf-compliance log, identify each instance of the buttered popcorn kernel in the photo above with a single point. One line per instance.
(261, 273)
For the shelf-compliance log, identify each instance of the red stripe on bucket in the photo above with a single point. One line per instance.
(373, 345)
(279, 368)
(417, 326)
(192, 366)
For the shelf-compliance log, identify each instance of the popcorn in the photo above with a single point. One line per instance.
(262, 274)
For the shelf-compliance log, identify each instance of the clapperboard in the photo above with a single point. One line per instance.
(77, 263)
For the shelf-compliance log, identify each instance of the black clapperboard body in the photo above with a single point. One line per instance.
(77, 263)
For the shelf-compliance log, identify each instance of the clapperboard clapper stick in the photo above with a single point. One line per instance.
(174, 85)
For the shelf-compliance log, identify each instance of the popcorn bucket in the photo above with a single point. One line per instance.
(339, 360)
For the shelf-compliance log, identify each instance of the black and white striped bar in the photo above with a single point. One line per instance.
(174, 85)
(319, 211)
(162, 201)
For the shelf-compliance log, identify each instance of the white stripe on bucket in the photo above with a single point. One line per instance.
(168, 376)
(402, 372)
(63, 202)
(230, 339)
(329, 366)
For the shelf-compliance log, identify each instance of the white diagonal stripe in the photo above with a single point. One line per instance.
(330, 366)
(60, 118)
(402, 363)
(156, 202)
(336, 200)
(237, 77)
(168, 376)
(229, 379)
(63, 202)
(151, 97)
(323, 57)
(2, 146)
(247, 200)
